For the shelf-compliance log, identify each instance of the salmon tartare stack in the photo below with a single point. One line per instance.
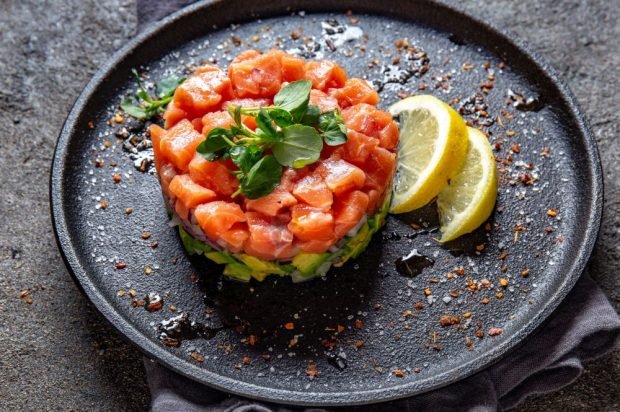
(278, 166)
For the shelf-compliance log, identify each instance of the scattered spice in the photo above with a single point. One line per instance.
(116, 178)
(399, 373)
(121, 265)
(289, 326)
(197, 357)
(552, 212)
(495, 332)
(447, 320)
(311, 370)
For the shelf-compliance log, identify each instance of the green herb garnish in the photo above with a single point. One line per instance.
(292, 128)
(142, 105)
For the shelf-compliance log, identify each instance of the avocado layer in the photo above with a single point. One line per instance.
(303, 267)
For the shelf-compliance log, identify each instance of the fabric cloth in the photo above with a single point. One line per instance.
(584, 326)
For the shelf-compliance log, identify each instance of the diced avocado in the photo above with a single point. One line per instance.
(308, 263)
(356, 244)
(220, 257)
(259, 265)
(238, 271)
(191, 245)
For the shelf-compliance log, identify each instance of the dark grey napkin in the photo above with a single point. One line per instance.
(585, 326)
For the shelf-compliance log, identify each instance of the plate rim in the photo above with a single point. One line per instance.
(249, 390)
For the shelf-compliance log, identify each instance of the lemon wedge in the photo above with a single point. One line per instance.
(468, 200)
(433, 143)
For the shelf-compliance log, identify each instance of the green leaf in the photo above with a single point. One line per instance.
(132, 107)
(245, 156)
(294, 96)
(262, 178)
(281, 117)
(311, 117)
(301, 145)
(237, 116)
(215, 144)
(167, 86)
(265, 123)
(332, 128)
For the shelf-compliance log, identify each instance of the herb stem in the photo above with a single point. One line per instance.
(236, 193)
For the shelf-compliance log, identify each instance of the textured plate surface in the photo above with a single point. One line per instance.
(364, 321)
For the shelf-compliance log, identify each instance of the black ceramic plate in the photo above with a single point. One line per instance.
(365, 323)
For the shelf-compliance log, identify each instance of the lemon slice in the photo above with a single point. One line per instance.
(433, 142)
(468, 200)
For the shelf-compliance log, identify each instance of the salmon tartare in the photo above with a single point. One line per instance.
(277, 166)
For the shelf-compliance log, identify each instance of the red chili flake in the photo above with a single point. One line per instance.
(418, 305)
(328, 344)
(479, 333)
(459, 271)
(154, 244)
(485, 300)
(454, 293)
(104, 204)
(128, 211)
(525, 273)
(447, 320)
(121, 265)
(515, 148)
(289, 326)
(359, 344)
(552, 212)
(502, 65)
(252, 340)
(339, 329)
(399, 373)
(469, 343)
(197, 357)
(146, 235)
(24, 293)
(247, 360)
(116, 178)
(99, 163)
(545, 152)
(358, 324)
(311, 370)
(495, 332)
(91, 125)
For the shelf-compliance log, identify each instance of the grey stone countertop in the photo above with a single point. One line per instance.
(56, 352)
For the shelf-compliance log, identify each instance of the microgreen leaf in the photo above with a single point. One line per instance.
(281, 117)
(265, 123)
(245, 156)
(332, 128)
(262, 178)
(300, 146)
(142, 105)
(294, 97)
(167, 86)
(214, 146)
(132, 107)
(311, 117)
(236, 115)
